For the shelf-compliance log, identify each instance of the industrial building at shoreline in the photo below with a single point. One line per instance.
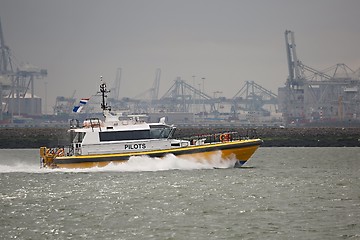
(308, 96)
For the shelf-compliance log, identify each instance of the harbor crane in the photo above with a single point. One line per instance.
(312, 95)
(252, 97)
(19, 93)
(5, 59)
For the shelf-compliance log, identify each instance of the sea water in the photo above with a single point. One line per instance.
(281, 193)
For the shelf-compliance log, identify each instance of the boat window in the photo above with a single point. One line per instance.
(158, 132)
(124, 135)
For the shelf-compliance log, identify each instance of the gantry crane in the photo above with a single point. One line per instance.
(18, 100)
(317, 95)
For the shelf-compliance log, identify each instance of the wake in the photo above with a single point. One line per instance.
(20, 167)
(134, 164)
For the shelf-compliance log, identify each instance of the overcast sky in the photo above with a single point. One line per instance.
(227, 42)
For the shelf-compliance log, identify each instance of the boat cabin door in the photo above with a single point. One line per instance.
(76, 142)
(77, 148)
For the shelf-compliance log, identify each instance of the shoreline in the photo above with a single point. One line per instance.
(15, 138)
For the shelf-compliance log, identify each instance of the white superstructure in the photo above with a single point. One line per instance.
(114, 135)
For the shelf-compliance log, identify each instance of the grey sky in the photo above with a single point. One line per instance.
(225, 41)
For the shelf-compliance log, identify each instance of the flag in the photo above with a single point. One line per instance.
(84, 100)
(77, 108)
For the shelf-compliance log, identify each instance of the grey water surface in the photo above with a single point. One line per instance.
(281, 193)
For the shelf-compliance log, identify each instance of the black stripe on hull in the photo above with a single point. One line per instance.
(159, 154)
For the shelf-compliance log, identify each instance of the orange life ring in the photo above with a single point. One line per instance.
(224, 137)
(60, 152)
(50, 152)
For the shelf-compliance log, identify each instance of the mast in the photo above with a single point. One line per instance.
(104, 92)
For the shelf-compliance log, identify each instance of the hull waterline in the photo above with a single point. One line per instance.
(240, 151)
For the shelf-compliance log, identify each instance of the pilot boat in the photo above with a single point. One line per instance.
(97, 143)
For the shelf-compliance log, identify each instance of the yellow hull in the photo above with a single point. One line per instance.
(241, 150)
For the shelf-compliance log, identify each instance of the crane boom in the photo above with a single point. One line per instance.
(5, 61)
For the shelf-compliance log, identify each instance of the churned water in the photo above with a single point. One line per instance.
(282, 193)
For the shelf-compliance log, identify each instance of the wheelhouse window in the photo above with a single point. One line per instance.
(124, 135)
(160, 131)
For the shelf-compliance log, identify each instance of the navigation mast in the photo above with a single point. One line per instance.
(104, 92)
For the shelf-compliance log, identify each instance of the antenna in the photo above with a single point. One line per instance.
(103, 92)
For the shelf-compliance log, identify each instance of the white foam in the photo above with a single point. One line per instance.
(136, 164)
(20, 167)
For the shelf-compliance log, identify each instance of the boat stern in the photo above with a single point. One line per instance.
(47, 156)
